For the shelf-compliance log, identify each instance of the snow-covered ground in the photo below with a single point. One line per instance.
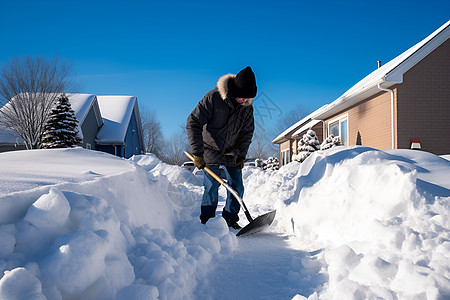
(351, 223)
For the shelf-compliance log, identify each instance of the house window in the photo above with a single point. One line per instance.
(285, 157)
(339, 127)
(333, 128)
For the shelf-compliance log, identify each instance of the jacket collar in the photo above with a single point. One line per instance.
(223, 87)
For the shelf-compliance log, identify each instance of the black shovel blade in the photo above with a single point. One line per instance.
(258, 224)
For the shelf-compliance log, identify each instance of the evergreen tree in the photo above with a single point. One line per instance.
(307, 145)
(61, 130)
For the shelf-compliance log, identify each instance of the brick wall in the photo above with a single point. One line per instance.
(424, 103)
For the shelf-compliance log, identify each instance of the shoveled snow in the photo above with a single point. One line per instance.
(351, 223)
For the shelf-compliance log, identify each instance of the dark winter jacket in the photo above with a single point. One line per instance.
(219, 128)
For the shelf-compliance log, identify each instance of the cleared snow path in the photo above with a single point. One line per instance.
(264, 266)
(261, 268)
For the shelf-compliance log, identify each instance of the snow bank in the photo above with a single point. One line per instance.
(355, 223)
(381, 217)
(79, 224)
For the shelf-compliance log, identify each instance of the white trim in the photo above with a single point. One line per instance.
(392, 113)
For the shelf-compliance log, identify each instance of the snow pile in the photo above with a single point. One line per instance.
(351, 223)
(84, 224)
(381, 218)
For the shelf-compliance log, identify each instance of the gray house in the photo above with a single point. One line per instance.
(121, 133)
(110, 124)
(89, 119)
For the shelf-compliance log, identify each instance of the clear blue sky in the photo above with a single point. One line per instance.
(170, 53)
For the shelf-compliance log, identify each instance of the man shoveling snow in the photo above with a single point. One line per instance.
(220, 131)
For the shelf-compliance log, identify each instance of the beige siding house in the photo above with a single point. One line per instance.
(402, 104)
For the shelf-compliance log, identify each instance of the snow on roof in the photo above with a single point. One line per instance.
(81, 104)
(116, 112)
(305, 127)
(390, 73)
(294, 128)
(287, 133)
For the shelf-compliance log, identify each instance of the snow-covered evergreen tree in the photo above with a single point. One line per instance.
(272, 163)
(330, 142)
(61, 130)
(307, 145)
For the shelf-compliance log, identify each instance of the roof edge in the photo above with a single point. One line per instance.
(389, 74)
(288, 132)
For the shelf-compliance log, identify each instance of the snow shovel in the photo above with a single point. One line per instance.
(255, 225)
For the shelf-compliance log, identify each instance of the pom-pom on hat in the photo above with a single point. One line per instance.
(244, 84)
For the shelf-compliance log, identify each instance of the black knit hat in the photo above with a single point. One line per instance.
(244, 84)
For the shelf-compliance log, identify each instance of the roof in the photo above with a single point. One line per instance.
(288, 133)
(285, 135)
(116, 112)
(81, 105)
(305, 127)
(389, 74)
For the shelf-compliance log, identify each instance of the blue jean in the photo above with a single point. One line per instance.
(211, 194)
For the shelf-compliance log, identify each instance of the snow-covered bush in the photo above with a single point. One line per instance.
(272, 163)
(259, 162)
(307, 145)
(330, 142)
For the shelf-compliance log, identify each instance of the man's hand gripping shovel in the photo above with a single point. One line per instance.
(254, 225)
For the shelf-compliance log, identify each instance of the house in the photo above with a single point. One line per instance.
(121, 133)
(89, 118)
(105, 123)
(403, 104)
(288, 139)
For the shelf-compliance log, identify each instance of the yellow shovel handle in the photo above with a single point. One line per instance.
(207, 169)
